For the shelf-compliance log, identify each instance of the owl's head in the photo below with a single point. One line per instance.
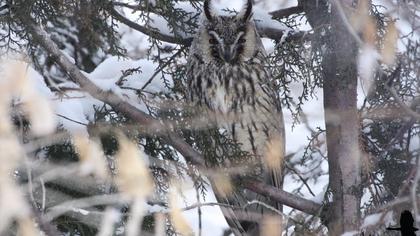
(228, 39)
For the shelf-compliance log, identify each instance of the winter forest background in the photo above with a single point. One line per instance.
(96, 137)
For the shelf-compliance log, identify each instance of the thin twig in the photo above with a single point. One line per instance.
(75, 121)
(200, 223)
(161, 68)
(301, 178)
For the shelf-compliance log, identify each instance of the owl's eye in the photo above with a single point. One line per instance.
(212, 41)
(241, 40)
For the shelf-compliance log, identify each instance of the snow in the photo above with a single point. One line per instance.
(264, 20)
(351, 233)
(38, 82)
(156, 208)
(74, 110)
(81, 211)
(319, 198)
(367, 65)
(374, 219)
(135, 43)
(371, 219)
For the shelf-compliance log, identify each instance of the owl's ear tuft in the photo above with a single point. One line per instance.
(246, 13)
(207, 10)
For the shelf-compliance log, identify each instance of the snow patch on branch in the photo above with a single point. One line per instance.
(264, 20)
(75, 108)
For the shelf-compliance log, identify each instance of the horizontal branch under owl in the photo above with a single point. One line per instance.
(264, 31)
(42, 38)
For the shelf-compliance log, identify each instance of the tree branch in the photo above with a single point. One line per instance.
(283, 197)
(286, 12)
(191, 155)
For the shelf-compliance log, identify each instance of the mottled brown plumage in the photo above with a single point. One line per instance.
(227, 75)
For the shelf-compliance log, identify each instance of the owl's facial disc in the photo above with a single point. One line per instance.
(228, 35)
(227, 49)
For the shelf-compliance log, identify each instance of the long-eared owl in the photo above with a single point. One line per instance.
(227, 76)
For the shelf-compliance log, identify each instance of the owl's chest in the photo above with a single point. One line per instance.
(227, 88)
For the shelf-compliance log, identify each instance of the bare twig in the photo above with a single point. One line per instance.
(301, 178)
(69, 119)
(161, 68)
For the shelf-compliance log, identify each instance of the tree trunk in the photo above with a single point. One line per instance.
(342, 125)
(339, 68)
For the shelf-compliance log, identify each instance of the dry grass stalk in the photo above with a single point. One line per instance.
(91, 156)
(26, 227)
(274, 154)
(223, 184)
(271, 225)
(178, 220)
(133, 177)
(134, 180)
(12, 203)
(160, 224)
(111, 216)
(389, 49)
(38, 109)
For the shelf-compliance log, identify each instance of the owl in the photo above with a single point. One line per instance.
(227, 76)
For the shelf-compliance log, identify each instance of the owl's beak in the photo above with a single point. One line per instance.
(227, 56)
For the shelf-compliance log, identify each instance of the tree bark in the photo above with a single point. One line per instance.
(339, 66)
(342, 125)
